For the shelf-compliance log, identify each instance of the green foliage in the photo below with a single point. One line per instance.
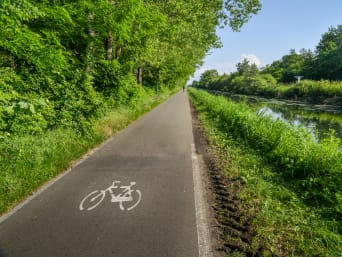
(64, 64)
(240, 12)
(324, 63)
(208, 77)
(315, 169)
(329, 53)
(80, 57)
(288, 178)
(248, 82)
(247, 69)
(27, 161)
(314, 89)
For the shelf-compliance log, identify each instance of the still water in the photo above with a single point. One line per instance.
(320, 120)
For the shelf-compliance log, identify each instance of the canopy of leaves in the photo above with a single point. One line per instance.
(324, 63)
(63, 61)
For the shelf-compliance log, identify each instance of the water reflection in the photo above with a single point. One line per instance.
(295, 120)
(318, 119)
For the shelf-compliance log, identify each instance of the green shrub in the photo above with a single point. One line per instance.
(314, 168)
(265, 85)
(27, 160)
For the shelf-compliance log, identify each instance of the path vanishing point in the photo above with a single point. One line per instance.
(139, 194)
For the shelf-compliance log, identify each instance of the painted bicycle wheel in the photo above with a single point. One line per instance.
(92, 200)
(136, 195)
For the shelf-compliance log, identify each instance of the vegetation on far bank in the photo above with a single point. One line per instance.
(292, 181)
(319, 73)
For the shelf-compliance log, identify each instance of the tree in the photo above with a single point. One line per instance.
(208, 77)
(329, 54)
(247, 69)
(240, 12)
(82, 55)
(292, 64)
(308, 67)
(275, 69)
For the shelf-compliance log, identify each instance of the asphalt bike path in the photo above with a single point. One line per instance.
(134, 196)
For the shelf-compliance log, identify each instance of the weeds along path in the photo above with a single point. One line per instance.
(133, 197)
(234, 221)
(28, 161)
(277, 191)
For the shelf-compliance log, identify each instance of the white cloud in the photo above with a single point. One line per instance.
(252, 58)
(226, 67)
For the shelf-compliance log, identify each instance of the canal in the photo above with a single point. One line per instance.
(320, 120)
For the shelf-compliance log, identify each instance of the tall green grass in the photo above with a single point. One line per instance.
(283, 225)
(297, 181)
(322, 91)
(294, 182)
(28, 161)
(316, 90)
(316, 168)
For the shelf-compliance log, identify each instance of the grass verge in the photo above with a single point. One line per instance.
(288, 218)
(27, 162)
(315, 92)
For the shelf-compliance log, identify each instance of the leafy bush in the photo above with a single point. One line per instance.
(257, 85)
(29, 159)
(265, 85)
(314, 168)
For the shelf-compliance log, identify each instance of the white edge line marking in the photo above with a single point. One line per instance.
(48, 184)
(203, 232)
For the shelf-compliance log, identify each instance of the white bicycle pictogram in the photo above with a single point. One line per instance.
(92, 200)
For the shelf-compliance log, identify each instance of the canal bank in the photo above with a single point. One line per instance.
(321, 120)
(290, 183)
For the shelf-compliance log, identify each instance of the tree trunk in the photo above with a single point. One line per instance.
(109, 46)
(90, 48)
(139, 75)
(118, 52)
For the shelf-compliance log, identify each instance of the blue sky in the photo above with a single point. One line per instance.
(281, 25)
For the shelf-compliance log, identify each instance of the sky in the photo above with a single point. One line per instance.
(281, 25)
